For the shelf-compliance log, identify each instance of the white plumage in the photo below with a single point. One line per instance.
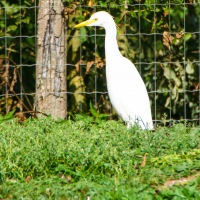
(126, 88)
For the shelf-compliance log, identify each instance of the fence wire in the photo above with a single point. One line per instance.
(25, 91)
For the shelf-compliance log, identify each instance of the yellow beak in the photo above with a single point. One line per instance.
(86, 23)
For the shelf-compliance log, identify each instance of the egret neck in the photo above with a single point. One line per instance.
(111, 46)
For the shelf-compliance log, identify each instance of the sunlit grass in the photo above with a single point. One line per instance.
(50, 159)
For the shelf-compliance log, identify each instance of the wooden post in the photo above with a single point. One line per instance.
(50, 69)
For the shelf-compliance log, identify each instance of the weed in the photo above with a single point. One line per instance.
(76, 159)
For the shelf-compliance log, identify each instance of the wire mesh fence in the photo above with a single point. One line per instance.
(17, 55)
(161, 39)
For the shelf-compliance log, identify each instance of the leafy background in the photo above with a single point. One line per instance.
(162, 39)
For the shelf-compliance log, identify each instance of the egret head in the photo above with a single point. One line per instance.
(100, 18)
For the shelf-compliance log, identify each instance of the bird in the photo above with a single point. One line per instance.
(126, 89)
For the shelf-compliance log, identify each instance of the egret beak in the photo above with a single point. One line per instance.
(86, 23)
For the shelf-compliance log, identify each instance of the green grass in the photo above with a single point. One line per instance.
(47, 159)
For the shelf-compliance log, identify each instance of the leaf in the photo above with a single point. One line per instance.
(90, 3)
(103, 115)
(11, 28)
(187, 36)
(176, 41)
(181, 167)
(180, 34)
(174, 93)
(144, 160)
(28, 179)
(167, 39)
(2, 180)
(93, 110)
(171, 75)
(133, 14)
(88, 66)
(99, 62)
(83, 35)
(9, 115)
(26, 20)
(189, 68)
(167, 103)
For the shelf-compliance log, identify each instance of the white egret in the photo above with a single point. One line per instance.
(126, 88)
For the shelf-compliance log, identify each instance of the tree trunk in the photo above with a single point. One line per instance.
(50, 68)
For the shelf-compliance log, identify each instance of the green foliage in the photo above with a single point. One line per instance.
(17, 47)
(7, 117)
(164, 38)
(96, 114)
(74, 159)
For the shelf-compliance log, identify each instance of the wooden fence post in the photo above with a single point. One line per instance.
(50, 65)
